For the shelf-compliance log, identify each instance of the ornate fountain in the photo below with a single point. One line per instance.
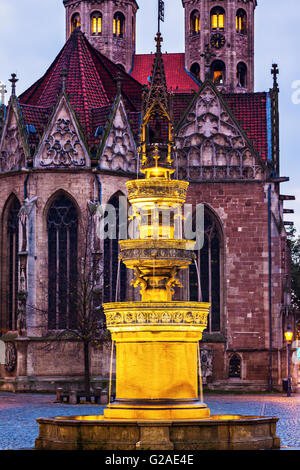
(158, 394)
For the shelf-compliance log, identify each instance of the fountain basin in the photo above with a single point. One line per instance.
(218, 432)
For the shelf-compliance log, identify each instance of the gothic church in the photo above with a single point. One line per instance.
(72, 138)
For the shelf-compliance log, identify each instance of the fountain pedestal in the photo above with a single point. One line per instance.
(156, 360)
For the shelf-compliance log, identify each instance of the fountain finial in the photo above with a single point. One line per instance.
(157, 130)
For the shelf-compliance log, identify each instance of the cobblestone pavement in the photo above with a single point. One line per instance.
(19, 429)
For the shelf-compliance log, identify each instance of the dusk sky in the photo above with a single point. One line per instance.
(33, 32)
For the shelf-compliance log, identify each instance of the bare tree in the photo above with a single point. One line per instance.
(88, 325)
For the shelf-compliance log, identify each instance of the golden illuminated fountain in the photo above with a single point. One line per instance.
(158, 393)
(157, 337)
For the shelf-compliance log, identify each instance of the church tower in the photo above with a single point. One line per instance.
(109, 25)
(219, 42)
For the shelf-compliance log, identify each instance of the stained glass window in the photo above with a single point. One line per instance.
(62, 224)
(111, 263)
(13, 245)
(209, 264)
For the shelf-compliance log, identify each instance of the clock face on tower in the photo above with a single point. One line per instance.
(217, 41)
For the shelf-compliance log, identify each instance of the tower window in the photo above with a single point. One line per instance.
(217, 16)
(96, 23)
(241, 21)
(218, 72)
(62, 226)
(195, 22)
(75, 22)
(119, 25)
(195, 70)
(241, 74)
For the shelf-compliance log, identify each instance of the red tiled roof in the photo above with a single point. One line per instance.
(250, 109)
(90, 82)
(36, 116)
(91, 87)
(178, 79)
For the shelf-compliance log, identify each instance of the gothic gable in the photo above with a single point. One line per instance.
(211, 145)
(118, 150)
(62, 145)
(12, 145)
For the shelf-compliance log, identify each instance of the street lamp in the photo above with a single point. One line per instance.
(289, 338)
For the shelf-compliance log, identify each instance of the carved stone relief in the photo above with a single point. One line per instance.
(210, 145)
(120, 151)
(24, 227)
(62, 147)
(12, 154)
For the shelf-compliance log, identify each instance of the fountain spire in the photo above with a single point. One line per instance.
(157, 131)
(156, 335)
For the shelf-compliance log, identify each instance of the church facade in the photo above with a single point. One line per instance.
(72, 139)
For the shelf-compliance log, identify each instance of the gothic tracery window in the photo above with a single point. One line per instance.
(241, 21)
(96, 23)
(195, 22)
(75, 22)
(217, 16)
(119, 25)
(114, 282)
(209, 262)
(13, 247)
(62, 226)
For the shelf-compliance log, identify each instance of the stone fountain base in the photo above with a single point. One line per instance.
(214, 433)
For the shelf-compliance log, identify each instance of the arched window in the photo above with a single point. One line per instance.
(241, 21)
(241, 75)
(75, 22)
(209, 262)
(111, 260)
(195, 70)
(217, 16)
(96, 23)
(13, 262)
(234, 370)
(218, 70)
(195, 22)
(119, 25)
(62, 227)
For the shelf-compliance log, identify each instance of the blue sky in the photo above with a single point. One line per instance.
(33, 31)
